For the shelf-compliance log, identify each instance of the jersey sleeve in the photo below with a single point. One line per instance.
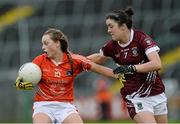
(38, 60)
(149, 44)
(107, 49)
(82, 63)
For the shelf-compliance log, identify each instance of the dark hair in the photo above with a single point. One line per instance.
(122, 16)
(57, 35)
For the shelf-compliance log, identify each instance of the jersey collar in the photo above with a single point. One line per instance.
(65, 59)
(131, 38)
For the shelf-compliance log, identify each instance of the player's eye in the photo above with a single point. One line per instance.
(45, 43)
(110, 26)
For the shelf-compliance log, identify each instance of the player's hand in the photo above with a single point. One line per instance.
(124, 69)
(121, 80)
(23, 85)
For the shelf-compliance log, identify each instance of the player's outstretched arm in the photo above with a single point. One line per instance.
(108, 72)
(97, 58)
(103, 70)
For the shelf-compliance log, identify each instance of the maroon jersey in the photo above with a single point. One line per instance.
(135, 52)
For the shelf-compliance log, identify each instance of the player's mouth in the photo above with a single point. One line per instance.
(45, 52)
(112, 35)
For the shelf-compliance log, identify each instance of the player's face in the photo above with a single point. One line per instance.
(50, 47)
(114, 29)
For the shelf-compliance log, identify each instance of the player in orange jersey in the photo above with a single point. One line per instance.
(53, 102)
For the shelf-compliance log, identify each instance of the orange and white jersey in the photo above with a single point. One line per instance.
(57, 80)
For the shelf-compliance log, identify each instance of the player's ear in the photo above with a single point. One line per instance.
(123, 26)
(58, 44)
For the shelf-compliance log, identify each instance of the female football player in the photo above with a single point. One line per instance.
(136, 53)
(53, 102)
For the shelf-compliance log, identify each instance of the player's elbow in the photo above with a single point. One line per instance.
(158, 66)
(101, 60)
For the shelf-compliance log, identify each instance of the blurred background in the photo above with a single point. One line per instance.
(22, 23)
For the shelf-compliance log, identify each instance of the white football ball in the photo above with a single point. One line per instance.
(30, 72)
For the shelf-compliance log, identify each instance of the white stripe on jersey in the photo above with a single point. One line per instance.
(148, 90)
(151, 77)
(139, 90)
(152, 49)
(145, 89)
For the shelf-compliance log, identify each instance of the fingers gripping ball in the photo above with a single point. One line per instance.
(30, 72)
(20, 85)
(121, 80)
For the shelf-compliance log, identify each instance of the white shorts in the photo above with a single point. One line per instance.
(57, 111)
(154, 104)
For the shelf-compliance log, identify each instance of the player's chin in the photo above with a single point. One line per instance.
(48, 55)
(113, 38)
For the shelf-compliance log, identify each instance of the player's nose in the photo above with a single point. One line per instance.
(109, 31)
(43, 47)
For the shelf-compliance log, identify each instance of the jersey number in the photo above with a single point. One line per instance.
(57, 74)
(125, 54)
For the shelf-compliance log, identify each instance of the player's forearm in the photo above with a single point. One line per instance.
(154, 63)
(148, 67)
(96, 58)
(103, 70)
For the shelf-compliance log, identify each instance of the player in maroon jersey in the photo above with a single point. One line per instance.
(136, 53)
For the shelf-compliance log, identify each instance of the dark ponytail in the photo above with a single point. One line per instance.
(129, 12)
(122, 16)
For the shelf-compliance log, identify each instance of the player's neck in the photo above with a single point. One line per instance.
(126, 38)
(59, 57)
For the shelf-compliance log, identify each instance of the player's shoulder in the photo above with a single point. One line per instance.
(41, 56)
(139, 33)
(80, 58)
(110, 44)
(141, 36)
(77, 56)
